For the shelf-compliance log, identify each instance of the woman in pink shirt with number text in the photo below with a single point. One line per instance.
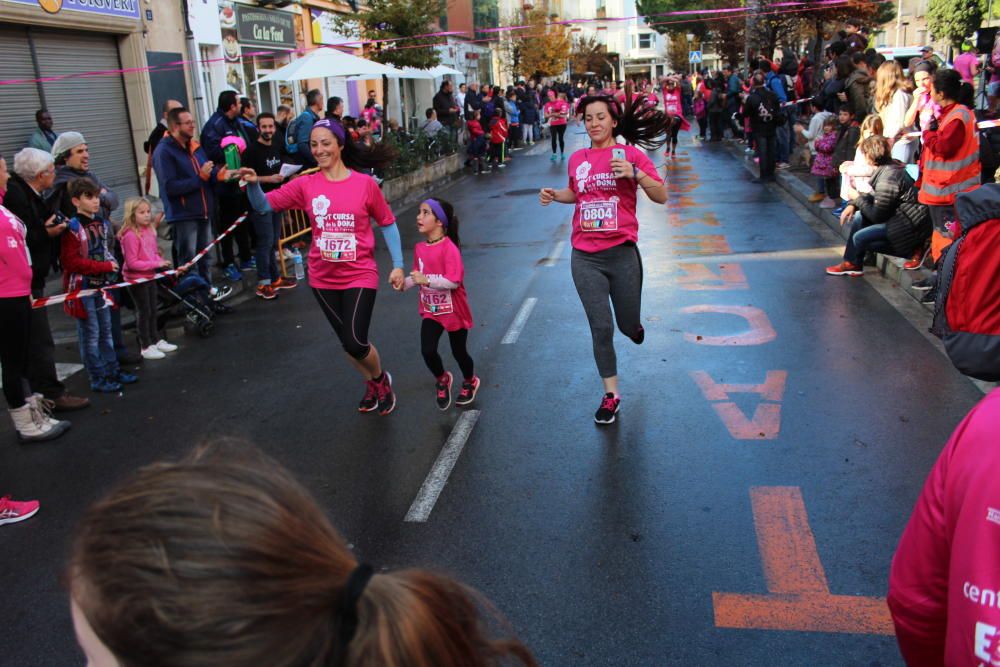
(343, 206)
(604, 181)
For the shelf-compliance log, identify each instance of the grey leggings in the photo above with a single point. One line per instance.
(611, 277)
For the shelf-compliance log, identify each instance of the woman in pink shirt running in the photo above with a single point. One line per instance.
(604, 181)
(439, 273)
(343, 206)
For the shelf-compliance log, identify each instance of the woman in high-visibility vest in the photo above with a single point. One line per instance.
(949, 162)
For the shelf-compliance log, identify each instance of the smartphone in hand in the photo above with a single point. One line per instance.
(617, 153)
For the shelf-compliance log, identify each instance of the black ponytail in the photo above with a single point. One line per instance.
(451, 229)
(360, 157)
(640, 124)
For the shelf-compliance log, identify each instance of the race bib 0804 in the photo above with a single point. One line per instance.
(599, 216)
(337, 246)
(436, 302)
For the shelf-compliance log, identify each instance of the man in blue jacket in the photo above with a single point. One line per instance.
(303, 126)
(776, 85)
(232, 202)
(185, 175)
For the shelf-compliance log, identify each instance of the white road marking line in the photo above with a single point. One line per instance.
(517, 325)
(555, 255)
(422, 505)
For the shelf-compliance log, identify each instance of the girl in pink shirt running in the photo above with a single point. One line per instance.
(344, 206)
(439, 273)
(604, 181)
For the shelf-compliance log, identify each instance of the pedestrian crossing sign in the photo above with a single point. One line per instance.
(694, 56)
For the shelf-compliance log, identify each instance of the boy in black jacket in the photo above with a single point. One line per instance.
(848, 136)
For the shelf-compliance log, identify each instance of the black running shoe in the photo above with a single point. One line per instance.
(924, 285)
(469, 391)
(929, 297)
(443, 388)
(370, 400)
(386, 398)
(639, 336)
(609, 408)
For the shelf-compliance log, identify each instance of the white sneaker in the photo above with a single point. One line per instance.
(152, 352)
(164, 346)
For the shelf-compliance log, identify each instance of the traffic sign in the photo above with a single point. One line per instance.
(694, 56)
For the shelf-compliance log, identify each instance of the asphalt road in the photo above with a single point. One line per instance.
(776, 428)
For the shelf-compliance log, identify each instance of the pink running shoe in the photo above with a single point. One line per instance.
(469, 391)
(610, 405)
(12, 511)
(386, 397)
(443, 388)
(370, 402)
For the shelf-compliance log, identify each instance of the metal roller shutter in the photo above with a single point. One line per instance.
(94, 106)
(18, 102)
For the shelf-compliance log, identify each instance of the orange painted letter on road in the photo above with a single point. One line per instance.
(699, 277)
(766, 421)
(700, 244)
(760, 331)
(798, 596)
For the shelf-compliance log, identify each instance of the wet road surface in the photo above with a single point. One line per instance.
(776, 427)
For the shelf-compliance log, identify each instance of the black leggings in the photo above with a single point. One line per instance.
(350, 314)
(560, 132)
(15, 313)
(675, 129)
(430, 334)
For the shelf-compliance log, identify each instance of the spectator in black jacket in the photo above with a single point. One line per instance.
(473, 100)
(888, 220)
(762, 108)
(446, 108)
(232, 202)
(34, 173)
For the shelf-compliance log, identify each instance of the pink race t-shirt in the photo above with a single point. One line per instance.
(15, 262)
(342, 254)
(556, 107)
(605, 205)
(672, 101)
(449, 307)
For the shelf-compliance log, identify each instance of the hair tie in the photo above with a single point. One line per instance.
(352, 592)
(335, 127)
(438, 210)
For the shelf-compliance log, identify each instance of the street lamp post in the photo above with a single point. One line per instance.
(690, 41)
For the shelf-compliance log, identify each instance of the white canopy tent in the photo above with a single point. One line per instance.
(328, 62)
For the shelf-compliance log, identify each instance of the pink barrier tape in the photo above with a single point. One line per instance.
(795, 8)
(103, 291)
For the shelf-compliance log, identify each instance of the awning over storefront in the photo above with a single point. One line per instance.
(327, 62)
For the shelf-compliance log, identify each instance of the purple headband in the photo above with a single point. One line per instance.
(438, 211)
(335, 127)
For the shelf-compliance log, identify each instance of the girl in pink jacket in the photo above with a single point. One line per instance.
(142, 261)
(944, 588)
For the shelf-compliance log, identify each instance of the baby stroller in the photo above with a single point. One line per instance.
(188, 297)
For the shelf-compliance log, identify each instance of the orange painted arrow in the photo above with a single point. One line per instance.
(798, 597)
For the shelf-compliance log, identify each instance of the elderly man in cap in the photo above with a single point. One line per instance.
(72, 158)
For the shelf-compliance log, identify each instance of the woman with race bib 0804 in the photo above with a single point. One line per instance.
(343, 205)
(604, 181)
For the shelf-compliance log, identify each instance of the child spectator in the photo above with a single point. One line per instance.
(810, 134)
(848, 136)
(142, 260)
(88, 262)
(856, 173)
(514, 118)
(498, 135)
(477, 141)
(444, 306)
(822, 166)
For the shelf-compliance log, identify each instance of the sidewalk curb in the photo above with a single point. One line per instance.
(890, 267)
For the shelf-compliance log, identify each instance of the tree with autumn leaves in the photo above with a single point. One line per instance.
(541, 49)
(762, 28)
(393, 26)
